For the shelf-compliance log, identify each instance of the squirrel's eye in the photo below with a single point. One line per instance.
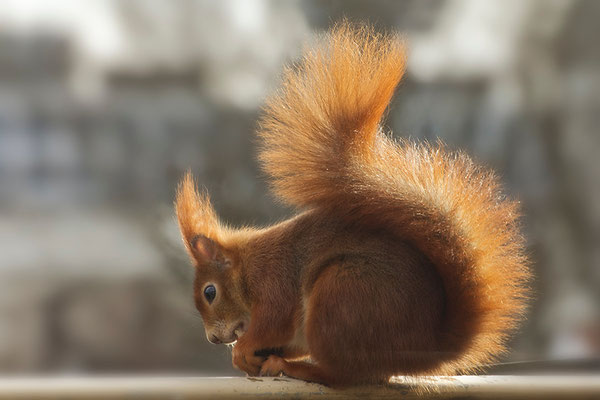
(209, 293)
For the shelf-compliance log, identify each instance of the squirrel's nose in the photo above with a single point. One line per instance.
(214, 340)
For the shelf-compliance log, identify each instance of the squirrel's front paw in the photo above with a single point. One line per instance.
(273, 366)
(245, 360)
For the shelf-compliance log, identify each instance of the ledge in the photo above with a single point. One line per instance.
(150, 387)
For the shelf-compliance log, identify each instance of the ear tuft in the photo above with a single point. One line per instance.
(196, 218)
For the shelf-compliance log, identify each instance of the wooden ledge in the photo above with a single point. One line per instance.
(150, 387)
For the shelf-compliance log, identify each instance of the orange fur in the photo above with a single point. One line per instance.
(194, 212)
(407, 258)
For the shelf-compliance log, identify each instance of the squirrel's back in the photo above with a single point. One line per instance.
(324, 148)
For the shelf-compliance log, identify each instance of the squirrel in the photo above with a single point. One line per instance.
(404, 258)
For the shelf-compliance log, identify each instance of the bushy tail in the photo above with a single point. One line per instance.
(323, 148)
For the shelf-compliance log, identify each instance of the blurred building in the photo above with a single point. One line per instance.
(104, 104)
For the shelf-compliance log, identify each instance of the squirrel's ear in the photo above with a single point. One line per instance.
(206, 249)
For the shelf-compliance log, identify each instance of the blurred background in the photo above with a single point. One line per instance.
(104, 104)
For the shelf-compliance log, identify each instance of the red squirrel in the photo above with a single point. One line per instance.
(404, 258)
